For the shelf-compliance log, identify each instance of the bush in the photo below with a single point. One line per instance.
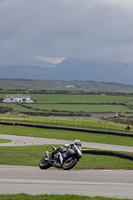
(5, 109)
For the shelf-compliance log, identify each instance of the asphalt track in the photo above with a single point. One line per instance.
(26, 141)
(32, 180)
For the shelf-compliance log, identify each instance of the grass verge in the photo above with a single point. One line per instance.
(68, 122)
(31, 155)
(52, 197)
(4, 141)
(66, 135)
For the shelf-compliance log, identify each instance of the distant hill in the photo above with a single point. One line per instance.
(77, 69)
(85, 86)
(7, 61)
(68, 70)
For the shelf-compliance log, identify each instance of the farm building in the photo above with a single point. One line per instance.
(17, 99)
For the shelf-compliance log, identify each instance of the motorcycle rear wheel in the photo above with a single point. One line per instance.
(44, 164)
(69, 163)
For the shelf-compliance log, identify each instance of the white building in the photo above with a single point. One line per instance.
(69, 86)
(17, 99)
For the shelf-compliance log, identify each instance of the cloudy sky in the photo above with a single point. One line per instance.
(56, 29)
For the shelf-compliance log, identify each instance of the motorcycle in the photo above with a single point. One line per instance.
(67, 159)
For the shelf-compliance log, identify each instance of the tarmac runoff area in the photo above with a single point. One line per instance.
(32, 180)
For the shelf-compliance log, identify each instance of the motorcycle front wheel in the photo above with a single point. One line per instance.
(44, 164)
(69, 163)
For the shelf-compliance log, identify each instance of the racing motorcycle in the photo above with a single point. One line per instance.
(67, 159)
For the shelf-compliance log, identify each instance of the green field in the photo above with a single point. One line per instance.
(85, 108)
(73, 103)
(15, 106)
(68, 107)
(77, 98)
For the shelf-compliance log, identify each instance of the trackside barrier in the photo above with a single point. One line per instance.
(109, 153)
(68, 128)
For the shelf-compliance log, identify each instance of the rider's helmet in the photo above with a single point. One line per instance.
(77, 142)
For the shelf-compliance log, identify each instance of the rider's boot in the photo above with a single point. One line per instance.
(56, 164)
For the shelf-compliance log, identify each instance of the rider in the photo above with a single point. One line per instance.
(60, 149)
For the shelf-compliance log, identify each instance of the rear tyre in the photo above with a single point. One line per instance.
(70, 163)
(44, 164)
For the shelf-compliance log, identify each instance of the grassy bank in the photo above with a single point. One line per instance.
(66, 135)
(69, 122)
(31, 155)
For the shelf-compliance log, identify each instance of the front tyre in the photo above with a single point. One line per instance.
(44, 164)
(69, 163)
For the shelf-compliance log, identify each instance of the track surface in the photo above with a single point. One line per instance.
(23, 141)
(32, 180)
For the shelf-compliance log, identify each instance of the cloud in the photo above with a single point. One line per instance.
(90, 29)
(119, 4)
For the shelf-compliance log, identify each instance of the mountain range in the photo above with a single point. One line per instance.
(67, 70)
